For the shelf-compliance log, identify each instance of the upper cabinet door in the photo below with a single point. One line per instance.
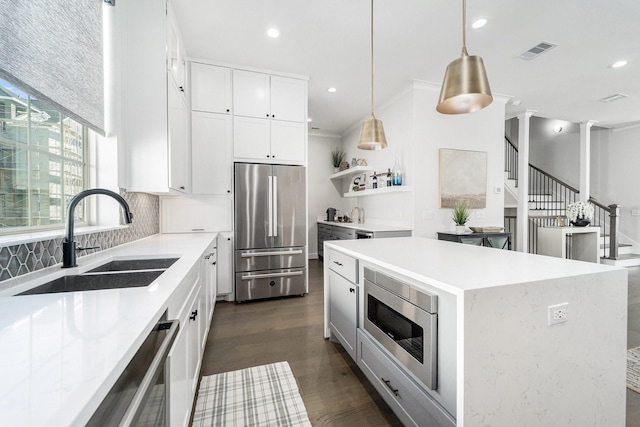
(251, 94)
(210, 88)
(288, 99)
(178, 144)
(211, 157)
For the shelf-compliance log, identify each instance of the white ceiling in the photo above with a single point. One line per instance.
(328, 41)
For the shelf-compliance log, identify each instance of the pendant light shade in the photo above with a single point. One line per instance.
(465, 88)
(372, 133)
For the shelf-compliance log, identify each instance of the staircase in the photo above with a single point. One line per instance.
(548, 198)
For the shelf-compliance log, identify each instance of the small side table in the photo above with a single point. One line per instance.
(500, 240)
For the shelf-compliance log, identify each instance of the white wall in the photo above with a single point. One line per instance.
(412, 124)
(615, 174)
(322, 194)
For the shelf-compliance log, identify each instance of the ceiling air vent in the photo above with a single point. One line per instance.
(537, 50)
(613, 97)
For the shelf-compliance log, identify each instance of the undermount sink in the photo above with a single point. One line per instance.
(94, 282)
(124, 273)
(136, 264)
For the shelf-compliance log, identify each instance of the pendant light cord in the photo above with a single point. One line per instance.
(464, 28)
(371, 58)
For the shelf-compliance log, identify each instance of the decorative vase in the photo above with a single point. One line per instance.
(336, 170)
(581, 222)
(396, 176)
(460, 228)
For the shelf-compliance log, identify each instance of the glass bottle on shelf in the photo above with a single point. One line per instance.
(375, 180)
(396, 176)
(389, 180)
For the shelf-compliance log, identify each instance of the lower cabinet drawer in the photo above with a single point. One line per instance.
(344, 265)
(271, 283)
(270, 259)
(409, 403)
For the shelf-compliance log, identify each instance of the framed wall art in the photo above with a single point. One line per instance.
(463, 175)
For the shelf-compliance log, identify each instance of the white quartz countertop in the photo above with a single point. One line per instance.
(61, 353)
(456, 268)
(365, 227)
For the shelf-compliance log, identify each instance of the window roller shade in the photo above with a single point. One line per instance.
(54, 50)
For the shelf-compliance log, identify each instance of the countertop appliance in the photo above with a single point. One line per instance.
(270, 231)
(331, 214)
(405, 322)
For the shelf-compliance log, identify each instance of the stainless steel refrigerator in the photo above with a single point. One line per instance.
(270, 231)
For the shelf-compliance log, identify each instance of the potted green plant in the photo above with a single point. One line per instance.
(460, 214)
(337, 157)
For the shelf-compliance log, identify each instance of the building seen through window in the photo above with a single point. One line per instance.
(42, 161)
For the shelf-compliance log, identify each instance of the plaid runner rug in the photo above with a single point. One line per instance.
(633, 369)
(264, 395)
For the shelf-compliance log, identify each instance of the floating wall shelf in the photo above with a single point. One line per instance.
(348, 173)
(376, 191)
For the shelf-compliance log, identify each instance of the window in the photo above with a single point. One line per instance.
(42, 162)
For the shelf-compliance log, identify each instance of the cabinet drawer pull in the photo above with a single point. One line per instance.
(338, 263)
(353, 291)
(194, 314)
(388, 384)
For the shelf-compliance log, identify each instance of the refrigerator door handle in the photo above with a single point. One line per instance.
(258, 254)
(275, 206)
(270, 208)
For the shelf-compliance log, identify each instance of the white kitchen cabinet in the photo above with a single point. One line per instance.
(208, 271)
(288, 99)
(210, 88)
(264, 139)
(197, 327)
(195, 214)
(211, 157)
(269, 117)
(184, 359)
(178, 139)
(176, 62)
(225, 263)
(288, 142)
(343, 297)
(151, 124)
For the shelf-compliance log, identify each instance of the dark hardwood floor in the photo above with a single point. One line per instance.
(332, 387)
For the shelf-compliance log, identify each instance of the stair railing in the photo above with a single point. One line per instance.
(550, 196)
(609, 229)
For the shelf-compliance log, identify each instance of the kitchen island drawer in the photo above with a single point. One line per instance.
(270, 283)
(411, 404)
(344, 265)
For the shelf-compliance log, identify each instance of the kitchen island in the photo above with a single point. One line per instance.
(502, 359)
(62, 352)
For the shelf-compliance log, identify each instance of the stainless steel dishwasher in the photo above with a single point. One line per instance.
(139, 396)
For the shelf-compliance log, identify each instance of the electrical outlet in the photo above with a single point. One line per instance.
(497, 190)
(558, 313)
(480, 214)
(635, 212)
(426, 215)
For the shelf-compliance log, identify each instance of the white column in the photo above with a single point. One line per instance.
(522, 221)
(585, 160)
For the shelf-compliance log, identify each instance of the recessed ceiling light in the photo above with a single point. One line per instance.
(332, 89)
(618, 64)
(479, 23)
(273, 33)
(309, 119)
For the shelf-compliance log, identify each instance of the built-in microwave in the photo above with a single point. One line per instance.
(405, 322)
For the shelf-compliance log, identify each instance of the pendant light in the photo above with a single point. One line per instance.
(372, 133)
(465, 88)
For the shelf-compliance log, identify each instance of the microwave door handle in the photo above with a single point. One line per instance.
(275, 206)
(270, 207)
